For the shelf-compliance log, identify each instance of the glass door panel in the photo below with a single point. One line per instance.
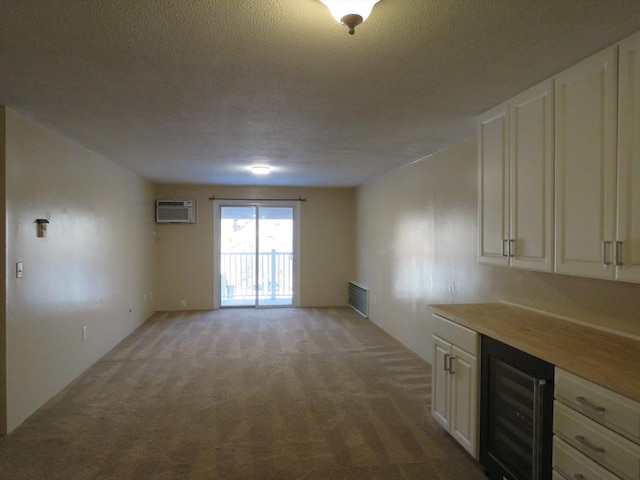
(512, 418)
(275, 256)
(238, 248)
(256, 255)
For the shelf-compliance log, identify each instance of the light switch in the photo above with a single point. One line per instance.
(19, 270)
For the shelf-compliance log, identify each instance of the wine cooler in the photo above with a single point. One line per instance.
(516, 424)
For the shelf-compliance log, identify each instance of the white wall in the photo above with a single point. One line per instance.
(185, 253)
(416, 244)
(94, 269)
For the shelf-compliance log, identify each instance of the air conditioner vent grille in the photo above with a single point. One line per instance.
(175, 211)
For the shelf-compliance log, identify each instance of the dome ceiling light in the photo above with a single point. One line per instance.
(260, 169)
(350, 13)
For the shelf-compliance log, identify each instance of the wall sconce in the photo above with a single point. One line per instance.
(42, 227)
(350, 13)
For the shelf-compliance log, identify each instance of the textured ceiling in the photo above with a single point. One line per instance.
(194, 91)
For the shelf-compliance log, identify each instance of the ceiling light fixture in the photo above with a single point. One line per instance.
(350, 13)
(260, 169)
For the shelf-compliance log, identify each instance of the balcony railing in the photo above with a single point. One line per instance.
(239, 282)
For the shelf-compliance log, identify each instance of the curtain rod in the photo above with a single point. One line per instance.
(299, 199)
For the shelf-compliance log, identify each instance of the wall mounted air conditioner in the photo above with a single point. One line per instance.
(175, 211)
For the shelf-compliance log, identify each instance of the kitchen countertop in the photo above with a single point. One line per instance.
(610, 360)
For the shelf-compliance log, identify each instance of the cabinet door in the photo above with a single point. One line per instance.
(628, 228)
(585, 173)
(493, 186)
(464, 400)
(440, 382)
(531, 178)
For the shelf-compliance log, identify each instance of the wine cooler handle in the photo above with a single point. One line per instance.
(538, 396)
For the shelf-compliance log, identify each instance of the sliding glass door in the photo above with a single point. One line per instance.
(256, 260)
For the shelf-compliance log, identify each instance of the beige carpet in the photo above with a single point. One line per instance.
(243, 394)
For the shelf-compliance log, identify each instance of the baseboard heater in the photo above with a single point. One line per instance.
(359, 299)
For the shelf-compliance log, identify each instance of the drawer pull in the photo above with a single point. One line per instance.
(587, 444)
(587, 404)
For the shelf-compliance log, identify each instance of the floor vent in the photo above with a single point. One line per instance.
(359, 299)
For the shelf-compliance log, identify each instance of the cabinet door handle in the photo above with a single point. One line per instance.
(505, 248)
(446, 362)
(588, 445)
(617, 254)
(606, 252)
(590, 405)
(451, 360)
(512, 248)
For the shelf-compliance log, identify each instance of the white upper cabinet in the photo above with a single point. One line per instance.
(515, 168)
(531, 174)
(585, 174)
(627, 251)
(493, 186)
(559, 172)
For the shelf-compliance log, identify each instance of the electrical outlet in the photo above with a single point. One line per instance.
(85, 334)
(183, 303)
(19, 270)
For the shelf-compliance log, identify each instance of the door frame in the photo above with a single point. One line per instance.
(217, 242)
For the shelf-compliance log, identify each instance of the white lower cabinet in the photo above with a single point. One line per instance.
(455, 394)
(595, 431)
(569, 463)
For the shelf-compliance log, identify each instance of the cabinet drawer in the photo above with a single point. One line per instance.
(463, 337)
(616, 453)
(572, 464)
(619, 413)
